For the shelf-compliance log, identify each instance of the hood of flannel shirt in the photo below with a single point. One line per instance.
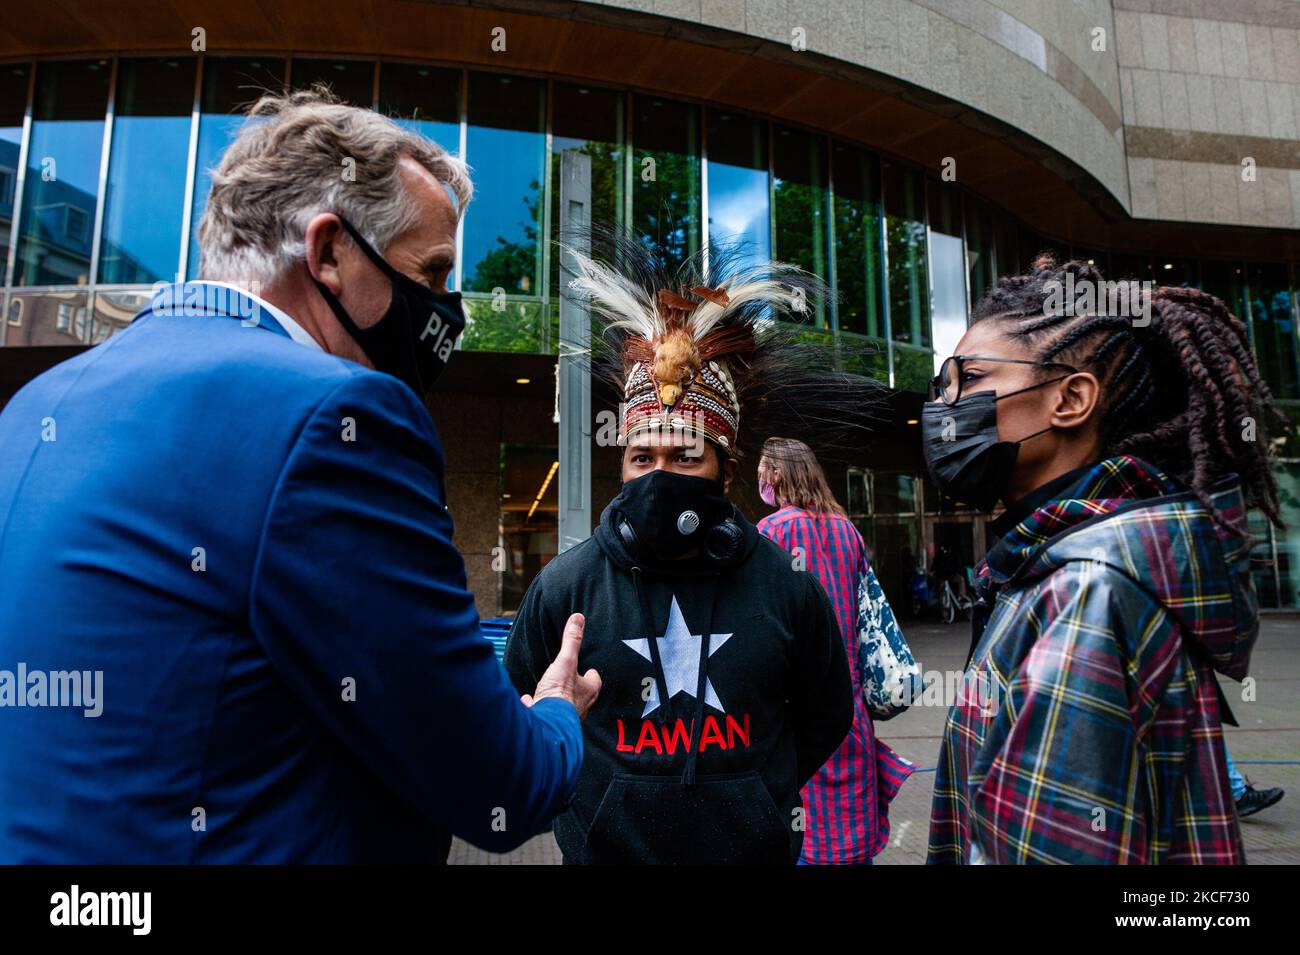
(1128, 516)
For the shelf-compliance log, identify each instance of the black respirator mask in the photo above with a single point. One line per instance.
(414, 338)
(664, 515)
(962, 450)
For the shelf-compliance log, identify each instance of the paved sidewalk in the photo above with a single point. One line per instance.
(1266, 747)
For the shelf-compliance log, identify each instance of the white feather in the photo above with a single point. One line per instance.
(755, 284)
(621, 302)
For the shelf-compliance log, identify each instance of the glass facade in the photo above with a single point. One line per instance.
(105, 166)
(1271, 305)
(739, 185)
(590, 121)
(144, 197)
(119, 155)
(60, 195)
(352, 81)
(665, 176)
(14, 81)
(799, 192)
(424, 99)
(501, 249)
(948, 307)
(858, 252)
(230, 84)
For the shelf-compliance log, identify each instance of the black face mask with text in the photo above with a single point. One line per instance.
(962, 450)
(414, 338)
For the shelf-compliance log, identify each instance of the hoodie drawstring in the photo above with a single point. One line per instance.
(648, 625)
(661, 681)
(697, 721)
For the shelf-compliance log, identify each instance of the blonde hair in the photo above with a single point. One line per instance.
(792, 469)
(288, 164)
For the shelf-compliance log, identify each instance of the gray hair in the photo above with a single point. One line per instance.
(301, 154)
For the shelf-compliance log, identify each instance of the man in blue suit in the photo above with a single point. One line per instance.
(233, 627)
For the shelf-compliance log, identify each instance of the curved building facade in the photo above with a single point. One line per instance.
(908, 151)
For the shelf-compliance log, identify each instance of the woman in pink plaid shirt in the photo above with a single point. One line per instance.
(846, 803)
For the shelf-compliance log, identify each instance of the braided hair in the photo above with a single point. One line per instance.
(1178, 391)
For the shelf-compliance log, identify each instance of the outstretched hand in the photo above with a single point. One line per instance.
(562, 678)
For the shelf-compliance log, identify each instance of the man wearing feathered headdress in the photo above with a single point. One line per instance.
(725, 682)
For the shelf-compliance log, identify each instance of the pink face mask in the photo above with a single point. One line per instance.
(768, 493)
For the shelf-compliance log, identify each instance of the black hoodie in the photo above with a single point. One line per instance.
(777, 698)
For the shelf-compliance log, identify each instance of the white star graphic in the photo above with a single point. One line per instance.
(679, 650)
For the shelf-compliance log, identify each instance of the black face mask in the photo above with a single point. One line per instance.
(670, 513)
(414, 337)
(962, 450)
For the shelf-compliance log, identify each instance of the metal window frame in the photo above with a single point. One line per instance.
(629, 159)
(832, 255)
(462, 150)
(101, 200)
(929, 183)
(965, 259)
(702, 113)
(882, 229)
(191, 174)
(771, 188)
(11, 252)
(546, 225)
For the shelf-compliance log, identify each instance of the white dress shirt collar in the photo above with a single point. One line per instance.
(295, 331)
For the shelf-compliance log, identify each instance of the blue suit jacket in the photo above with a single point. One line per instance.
(310, 686)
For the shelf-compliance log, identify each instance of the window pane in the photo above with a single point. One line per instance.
(230, 86)
(530, 525)
(352, 81)
(1177, 272)
(1124, 266)
(1032, 245)
(1098, 258)
(1005, 253)
(48, 318)
(913, 368)
(1227, 281)
(1288, 539)
(739, 198)
(425, 99)
(590, 121)
(666, 177)
(506, 145)
(145, 201)
(1275, 330)
(799, 190)
(858, 267)
(114, 311)
(62, 183)
(909, 291)
(948, 320)
(13, 104)
(979, 248)
(516, 324)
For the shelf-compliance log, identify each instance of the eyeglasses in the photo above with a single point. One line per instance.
(946, 386)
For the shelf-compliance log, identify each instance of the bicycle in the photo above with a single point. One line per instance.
(950, 603)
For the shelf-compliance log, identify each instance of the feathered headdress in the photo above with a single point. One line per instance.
(692, 348)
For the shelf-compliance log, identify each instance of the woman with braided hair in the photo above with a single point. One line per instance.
(1127, 449)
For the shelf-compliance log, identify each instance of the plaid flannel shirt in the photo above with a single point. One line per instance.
(846, 804)
(1091, 730)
